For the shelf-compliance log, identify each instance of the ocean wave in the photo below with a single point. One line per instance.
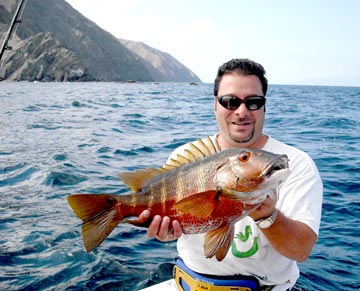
(14, 174)
(56, 178)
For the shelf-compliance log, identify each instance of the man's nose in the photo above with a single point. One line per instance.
(241, 109)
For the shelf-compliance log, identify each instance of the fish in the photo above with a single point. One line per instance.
(206, 189)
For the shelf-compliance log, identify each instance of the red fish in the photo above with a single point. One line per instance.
(205, 189)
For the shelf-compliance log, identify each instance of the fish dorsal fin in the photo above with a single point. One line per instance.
(196, 151)
(218, 241)
(202, 148)
(212, 146)
(208, 147)
(135, 180)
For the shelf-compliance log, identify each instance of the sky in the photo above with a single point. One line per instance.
(306, 42)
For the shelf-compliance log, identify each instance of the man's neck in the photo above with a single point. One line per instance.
(259, 144)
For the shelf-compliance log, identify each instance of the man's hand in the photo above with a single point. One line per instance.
(159, 227)
(266, 208)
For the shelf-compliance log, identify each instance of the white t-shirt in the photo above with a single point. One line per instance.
(299, 198)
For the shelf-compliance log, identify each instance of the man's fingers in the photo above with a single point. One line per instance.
(160, 227)
(163, 233)
(144, 216)
(154, 226)
(177, 229)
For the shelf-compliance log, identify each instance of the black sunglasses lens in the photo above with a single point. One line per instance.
(230, 102)
(251, 103)
(254, 103)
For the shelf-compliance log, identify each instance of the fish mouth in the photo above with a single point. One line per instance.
(281, 163)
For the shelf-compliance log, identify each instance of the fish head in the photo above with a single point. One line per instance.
(251, 174)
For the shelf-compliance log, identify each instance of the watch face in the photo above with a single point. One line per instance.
(265, 223)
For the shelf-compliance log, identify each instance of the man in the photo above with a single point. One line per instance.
(284, 228)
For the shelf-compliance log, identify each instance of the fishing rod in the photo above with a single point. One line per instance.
(16, 20)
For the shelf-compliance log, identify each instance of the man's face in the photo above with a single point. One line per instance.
(240, 127)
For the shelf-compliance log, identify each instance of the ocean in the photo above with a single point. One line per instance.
(62, 138)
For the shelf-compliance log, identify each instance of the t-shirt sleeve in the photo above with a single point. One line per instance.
(300, 196)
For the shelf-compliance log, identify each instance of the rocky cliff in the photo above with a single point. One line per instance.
(55, 42)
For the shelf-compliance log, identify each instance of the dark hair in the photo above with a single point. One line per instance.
(244, 67)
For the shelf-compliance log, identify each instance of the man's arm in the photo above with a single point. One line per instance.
(292, 239)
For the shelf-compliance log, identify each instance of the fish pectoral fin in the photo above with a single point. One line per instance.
(99, 216)
(218, 241)
(201, 205)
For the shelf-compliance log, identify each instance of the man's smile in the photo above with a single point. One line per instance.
(245, 124)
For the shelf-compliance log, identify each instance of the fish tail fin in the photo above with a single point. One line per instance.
(99, 215)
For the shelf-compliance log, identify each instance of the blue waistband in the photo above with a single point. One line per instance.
(237, 280)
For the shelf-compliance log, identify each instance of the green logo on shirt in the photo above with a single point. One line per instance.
(243, 238)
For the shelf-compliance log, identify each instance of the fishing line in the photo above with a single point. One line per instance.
(12, 29)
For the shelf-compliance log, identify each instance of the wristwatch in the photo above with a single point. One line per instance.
(268, 221)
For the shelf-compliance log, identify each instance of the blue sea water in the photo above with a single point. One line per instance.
(63, 138)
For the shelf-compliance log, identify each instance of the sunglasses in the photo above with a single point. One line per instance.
(232, 103)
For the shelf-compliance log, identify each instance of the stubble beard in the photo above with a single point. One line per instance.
(242, 140)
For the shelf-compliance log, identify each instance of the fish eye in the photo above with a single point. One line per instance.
(244, 156)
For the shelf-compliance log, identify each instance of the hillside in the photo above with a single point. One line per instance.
(55, 42)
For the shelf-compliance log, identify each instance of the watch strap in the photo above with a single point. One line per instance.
(267, 221)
